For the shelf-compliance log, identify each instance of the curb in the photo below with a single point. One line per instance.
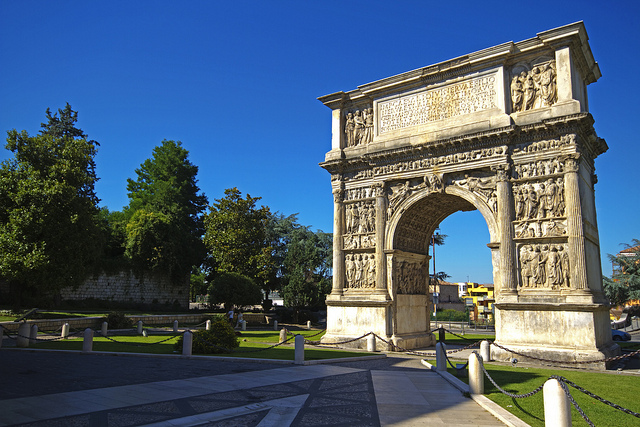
(496, 410)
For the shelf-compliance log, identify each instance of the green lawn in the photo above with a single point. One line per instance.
(620, 389)
(256, 340)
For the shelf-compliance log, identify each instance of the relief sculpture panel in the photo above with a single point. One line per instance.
(360, 271)
(358, 127)
(544, 266)
(533, 88)
(411, 277)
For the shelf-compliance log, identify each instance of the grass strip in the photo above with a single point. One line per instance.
(619, 389)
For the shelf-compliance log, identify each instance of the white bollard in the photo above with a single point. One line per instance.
(462, 329)
(175, 326)
(33, 336)
(441, 361)
(243, 325)
(476, 376)
(187, 344)
(283, 335)
(557, 409)
(87, 342)
(207, 325)
(24, 330)
(485, 351)
(139, 327)
(105, 329)
(299, 350)
(371, 343)
(65, 331)
(275, 325)
(308, 324)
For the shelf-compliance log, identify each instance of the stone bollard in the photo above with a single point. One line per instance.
(371, 343)
(33, 336)
(23, 335)
(175, 326)
(283, 335)
(187, 343)
(207, 325)
(275, 325)
(65, 331)
(308, 324)
(299, 350)
(485, 351)
(105, 329)
(441, 334)
(87, 342)
(462, 329)
(441, 360)
(557, 409)
(139, 327)
(1, 335)
(243, 325)
(476, 376)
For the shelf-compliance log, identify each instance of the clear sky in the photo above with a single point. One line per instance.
(237, 82)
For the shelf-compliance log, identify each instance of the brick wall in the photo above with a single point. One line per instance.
(125, 287)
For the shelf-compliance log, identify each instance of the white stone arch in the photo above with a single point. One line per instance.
(454, 190)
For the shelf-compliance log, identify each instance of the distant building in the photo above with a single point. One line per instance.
(479, 299)
(445, 297)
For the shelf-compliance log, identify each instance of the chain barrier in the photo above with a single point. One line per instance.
(17, 335)
(241, 351)
(572, 400)
(574, 362)
(319, 344)
(503, 391)
(601, 399)
(138, 345)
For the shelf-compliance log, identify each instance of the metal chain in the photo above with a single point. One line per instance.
(503, 391)
(202, 340)
(575, 362)
(571, 399)
(595, 396)
(139, 345)
(318, 343)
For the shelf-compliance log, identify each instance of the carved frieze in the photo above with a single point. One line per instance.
(539, 199)
(542, 228)
(359, 241)
(410, 277)
(360, 271)
(534, 87)
(359, 193)
(544, 144)
(538, 168)
(544, 266)
(360, 217)
(358, 127)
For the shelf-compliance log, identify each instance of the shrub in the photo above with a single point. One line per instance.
(234, 289)
(220, 339)
(118, 320)
(452, 315)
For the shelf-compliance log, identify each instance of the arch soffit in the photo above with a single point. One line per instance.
(413, 203)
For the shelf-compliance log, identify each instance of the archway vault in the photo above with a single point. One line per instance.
(505, 131)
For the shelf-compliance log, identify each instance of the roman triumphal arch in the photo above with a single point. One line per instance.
(506, 131)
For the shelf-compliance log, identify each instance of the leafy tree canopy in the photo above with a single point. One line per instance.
(236, 239)
(50, 236)
(234, 289)
(624, 284)
(164, 218)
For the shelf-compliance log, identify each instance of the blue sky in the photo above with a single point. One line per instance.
(237, 82)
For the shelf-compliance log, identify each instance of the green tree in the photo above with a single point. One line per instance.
(164, 218)
(235, 237)
(624, 283)
(50, 236)
(234, 289)
(307, 268)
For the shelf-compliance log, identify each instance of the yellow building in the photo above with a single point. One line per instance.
(479, 299)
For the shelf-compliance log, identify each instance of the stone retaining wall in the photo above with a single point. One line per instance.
(125, 287)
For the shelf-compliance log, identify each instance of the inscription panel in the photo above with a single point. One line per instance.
(467, 97)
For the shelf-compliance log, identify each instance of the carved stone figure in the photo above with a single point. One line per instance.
(358, 130)
(554, 268)
(535, 88)
(540, 259)
(531, 202)
(526, 266)
(349, 129)
(517, 91)
(368, 126)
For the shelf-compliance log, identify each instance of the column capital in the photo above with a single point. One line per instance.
(571, 162)
(502, 171)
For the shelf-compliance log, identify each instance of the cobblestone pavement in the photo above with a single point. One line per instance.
(72, 389)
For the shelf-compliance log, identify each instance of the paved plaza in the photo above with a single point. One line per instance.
(72, 389)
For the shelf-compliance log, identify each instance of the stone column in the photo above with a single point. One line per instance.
(508, 257)
(381, 222)
(338, 233)
(575, 231)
